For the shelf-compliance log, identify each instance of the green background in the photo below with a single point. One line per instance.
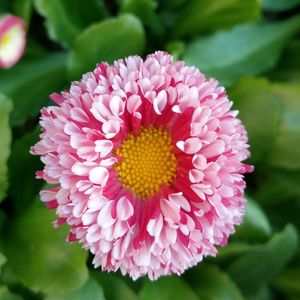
(252, 47)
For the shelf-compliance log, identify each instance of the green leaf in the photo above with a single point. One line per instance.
(285, 212)
(288, 67)
(30, 82)
(172, 4)
(270, 143)
(262, 264)
(5, 294)
(200, 16)
(5, 134)
(288, 282)
(90, 290)
(279, 5)
(285, 152)
(39, 256)
(65, 19)
(175, 48)
(231, 252)
(4, 6)
(264, 293)
(210, 283)
(256, 226)
(23, 8)
(270, 193)
(167, 288)
(2, 261)
(246, 50)
(143, 9)
(114, 288)
(23, 189)
(253, 98)
(106, 41)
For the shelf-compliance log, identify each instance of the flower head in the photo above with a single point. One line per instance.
(12, 40)
(145, 159)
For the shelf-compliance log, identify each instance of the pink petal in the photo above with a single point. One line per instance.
(124, 209)
(226, 191)
(195, 176)
(120, 229)
(190, 146)
(169, 210)
(199, 161)
(171, 235)
(105, 218)
(160, 102)
(111, 128)
(214, 149)
(133, 103)
(154, 226)
(99, 175)
(103, 147)
(100, 111)
(82, 169)
(117, 106)
(180, 200)
(78, 114)
(108, 162)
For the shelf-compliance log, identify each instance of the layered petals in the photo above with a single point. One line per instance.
(180, 215)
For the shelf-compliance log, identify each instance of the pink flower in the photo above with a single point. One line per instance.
(12, 40)
(145, 162)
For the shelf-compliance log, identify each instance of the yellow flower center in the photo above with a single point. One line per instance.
(4, 40)
(148, 161)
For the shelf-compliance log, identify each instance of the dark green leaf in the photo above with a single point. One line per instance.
(288, 282)
(172, 4)
(39, 256)
(114, 288)
(200, 16)
(91, 290)
(279, 5)
(246, 50)
(211, 283)
(256, 225)
(66, 19)
(30, 82)
(285, 212)
(5, 134)
(144, 9)
(23, 189)
(106, 41)
(253, 98)
(5, 294)
(167, 288)
(288, 68)
(264, 293)
(270, 192)
(285, 152)
(4, 4)
(262, 264)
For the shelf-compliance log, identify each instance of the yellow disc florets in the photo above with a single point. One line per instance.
(147, 161)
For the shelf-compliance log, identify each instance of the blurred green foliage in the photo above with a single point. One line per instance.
(251, 46)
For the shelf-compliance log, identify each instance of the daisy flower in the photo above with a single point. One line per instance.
(145, 162)
(12, 40)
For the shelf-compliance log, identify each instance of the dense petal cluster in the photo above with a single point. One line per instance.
(12, 40)
(129, 219)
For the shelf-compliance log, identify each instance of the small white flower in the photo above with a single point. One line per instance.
(12, 40)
